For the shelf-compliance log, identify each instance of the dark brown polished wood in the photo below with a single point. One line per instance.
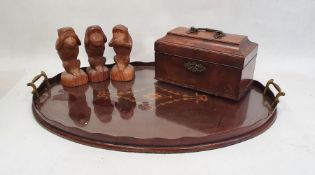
(198, 60)
(149, 116)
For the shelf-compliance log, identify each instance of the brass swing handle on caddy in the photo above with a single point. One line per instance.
(37, 77)
(277, 87)
(194, 66)
(217, 33)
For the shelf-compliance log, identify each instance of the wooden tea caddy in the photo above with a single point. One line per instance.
(207, 60)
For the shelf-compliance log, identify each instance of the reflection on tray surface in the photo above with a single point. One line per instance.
(103, 106)
(78, 109)
(126, 102)
(148, 109)
(172, 103)
(145, 109)
(196, 110)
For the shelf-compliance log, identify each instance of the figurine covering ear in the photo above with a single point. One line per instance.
(94, 42)
(67, 46)
(122, 44)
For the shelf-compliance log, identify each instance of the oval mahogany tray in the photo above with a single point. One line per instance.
(145, 115)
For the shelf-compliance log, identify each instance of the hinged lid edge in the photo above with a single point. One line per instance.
(238, 47)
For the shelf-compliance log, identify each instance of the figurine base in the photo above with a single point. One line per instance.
(70, 80)
(98, 75)
(127, 74)
(149, 116)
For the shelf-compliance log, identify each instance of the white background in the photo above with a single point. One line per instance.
(284, 30)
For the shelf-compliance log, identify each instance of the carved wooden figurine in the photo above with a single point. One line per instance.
(122, 44)
(67, 46)
(94, 42)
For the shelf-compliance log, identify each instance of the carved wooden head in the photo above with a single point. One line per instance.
(67, 38)
(121, 37)
(95, 36)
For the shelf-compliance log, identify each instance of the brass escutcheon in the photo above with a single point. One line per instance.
(194, 67)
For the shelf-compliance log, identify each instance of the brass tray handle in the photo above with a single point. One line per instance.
(277, 87)
(37, 77)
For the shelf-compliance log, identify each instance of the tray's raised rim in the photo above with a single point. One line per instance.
(151, 148)
(156, 149)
